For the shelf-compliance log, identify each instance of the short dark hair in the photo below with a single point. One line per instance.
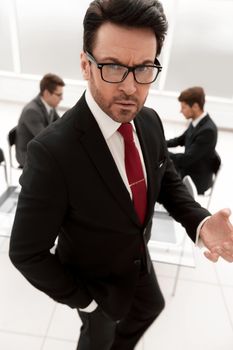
(50, 82)
(128, 13)
(193, 95)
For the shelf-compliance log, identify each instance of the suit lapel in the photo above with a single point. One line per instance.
(44, 112)
(149, 159)
(201, 123)
(94, 143)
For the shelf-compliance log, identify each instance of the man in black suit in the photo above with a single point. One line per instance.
(199, 158)
(38, 114)
(75, 186)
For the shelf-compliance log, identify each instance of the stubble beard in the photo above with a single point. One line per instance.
(120, 115)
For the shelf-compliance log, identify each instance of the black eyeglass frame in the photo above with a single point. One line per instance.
(57, 94)
(129, 69)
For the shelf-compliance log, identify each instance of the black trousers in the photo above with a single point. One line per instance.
(99, 332)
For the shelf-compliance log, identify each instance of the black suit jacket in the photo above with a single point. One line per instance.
(71, 188)
(199, 155)
(33, 119)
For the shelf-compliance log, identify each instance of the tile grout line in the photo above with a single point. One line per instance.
(68, 340)
(196, 281)
(223, 297)
(47, 329)
(7, 331)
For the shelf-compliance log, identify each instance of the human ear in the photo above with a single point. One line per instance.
(85, 66)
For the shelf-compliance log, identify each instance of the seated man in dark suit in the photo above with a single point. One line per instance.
(199, 159)
(38, 114)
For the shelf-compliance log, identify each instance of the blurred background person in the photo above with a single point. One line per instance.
(199, 159)
(38, 113)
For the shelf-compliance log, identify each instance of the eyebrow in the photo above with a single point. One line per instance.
(115, 60)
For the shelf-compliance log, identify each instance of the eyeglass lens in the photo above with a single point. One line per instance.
(116, 73)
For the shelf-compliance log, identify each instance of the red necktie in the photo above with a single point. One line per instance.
(134, 171)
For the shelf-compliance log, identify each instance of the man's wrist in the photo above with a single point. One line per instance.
(199, 241)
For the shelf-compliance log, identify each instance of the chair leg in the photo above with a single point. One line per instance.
(209, 198)
(10, 167)
(6, 177)
(178, 267)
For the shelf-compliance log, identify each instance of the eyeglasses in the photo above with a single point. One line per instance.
(116, 73)
(57, 94)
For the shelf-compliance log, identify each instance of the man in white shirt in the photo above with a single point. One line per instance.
(199, 159)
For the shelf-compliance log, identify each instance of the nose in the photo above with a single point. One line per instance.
(128, 85)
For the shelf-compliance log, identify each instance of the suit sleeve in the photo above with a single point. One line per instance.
(33, 121)
(40, 212)
(177, 141)
(201, 146)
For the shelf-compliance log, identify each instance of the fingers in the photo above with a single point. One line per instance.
(227, 251)
(226, 212)
(228, 247)
(219, 252)
(211, 256)
(227, 257)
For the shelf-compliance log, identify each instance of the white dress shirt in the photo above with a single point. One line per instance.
(113, 138)
(47, 106)
(197, 120)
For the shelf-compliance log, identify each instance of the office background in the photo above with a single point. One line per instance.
(40, 36)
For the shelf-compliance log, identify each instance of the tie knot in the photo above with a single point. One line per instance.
(126, 130)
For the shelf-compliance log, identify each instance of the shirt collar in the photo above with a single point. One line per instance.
(48, 108)
(107, 125)
(196, 121)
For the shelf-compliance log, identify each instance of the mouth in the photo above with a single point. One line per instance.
(125, 104)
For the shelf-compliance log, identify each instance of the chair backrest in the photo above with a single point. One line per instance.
(3, 162)
(12, 136)
(216, 163)
(190, 186)
(216, 166)
(215, 175)
(2, 158)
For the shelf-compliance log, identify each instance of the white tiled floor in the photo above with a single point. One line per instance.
(198, 317)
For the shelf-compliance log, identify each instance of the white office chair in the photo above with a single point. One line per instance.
(187, 180)
(217, 165)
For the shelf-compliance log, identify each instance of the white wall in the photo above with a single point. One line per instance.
(21, 89)
(41, 36)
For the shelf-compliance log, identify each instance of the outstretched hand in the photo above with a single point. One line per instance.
(217, 236)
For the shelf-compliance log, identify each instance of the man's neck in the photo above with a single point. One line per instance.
(47, 106)
(198, 118)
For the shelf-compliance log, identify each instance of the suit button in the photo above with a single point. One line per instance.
(137, 262)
